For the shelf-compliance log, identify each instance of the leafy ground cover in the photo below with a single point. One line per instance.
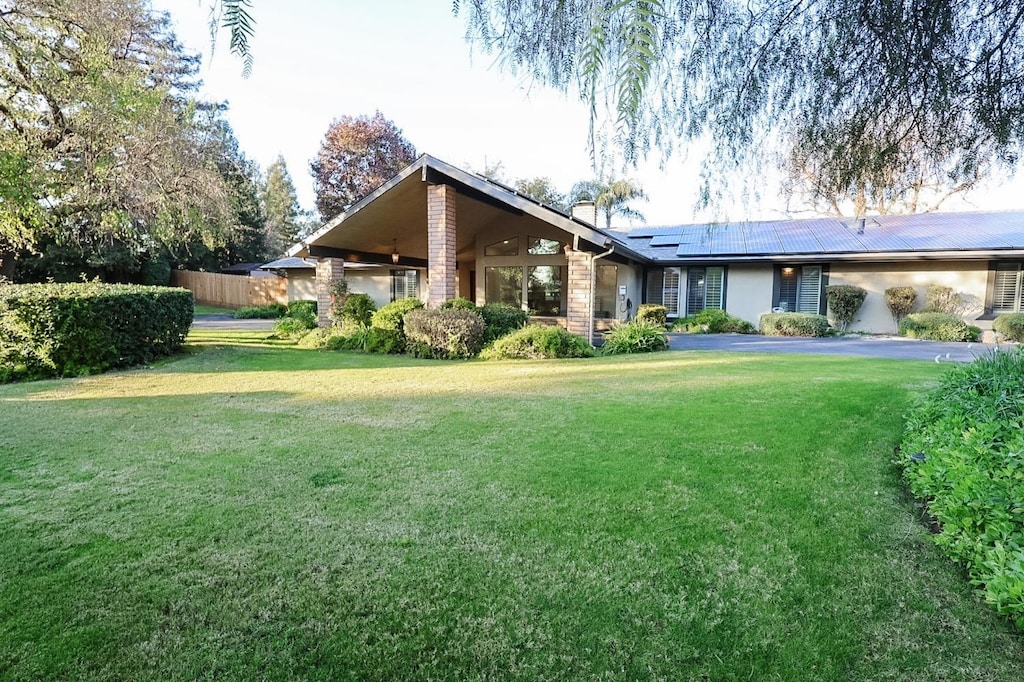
(261, 512)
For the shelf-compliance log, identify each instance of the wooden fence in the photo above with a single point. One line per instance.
(231, 291)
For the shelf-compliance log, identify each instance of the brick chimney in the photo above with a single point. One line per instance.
(585, 211)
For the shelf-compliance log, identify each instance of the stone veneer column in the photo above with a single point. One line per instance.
(581, 267)
(440, 244)
(327, 270)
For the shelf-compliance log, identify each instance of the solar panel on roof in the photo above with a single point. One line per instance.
(728, 240)
(762, 238)
(835, 236)
(665, 239)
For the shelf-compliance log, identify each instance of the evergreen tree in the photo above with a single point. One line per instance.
(281, 208)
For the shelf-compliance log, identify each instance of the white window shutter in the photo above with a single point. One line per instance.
(670, 291)
(1006, 291)
(713, 280)
(808, 296)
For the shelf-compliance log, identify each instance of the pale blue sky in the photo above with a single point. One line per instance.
(320, 59)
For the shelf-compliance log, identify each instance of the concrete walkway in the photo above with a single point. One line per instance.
(858, 346)
(229, 322)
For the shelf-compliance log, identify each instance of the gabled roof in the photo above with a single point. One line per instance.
(894, 237)
(434, 171)
(290, 263)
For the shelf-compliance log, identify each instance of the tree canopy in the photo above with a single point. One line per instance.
(357, 155)
(611, 197)
(284, 215)
(874, 101)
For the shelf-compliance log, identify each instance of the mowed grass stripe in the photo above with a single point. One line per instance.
(260, 512)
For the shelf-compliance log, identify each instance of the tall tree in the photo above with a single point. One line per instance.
(874, 95)
(611, 197)
(357, 155)
(101, 159)
(284, 216)
(541, 189)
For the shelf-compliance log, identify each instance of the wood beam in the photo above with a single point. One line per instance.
(353, 256)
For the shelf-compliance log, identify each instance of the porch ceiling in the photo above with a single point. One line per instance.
(400, 213)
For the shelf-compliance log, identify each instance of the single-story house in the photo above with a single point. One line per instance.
(365, 278)
(436, 231)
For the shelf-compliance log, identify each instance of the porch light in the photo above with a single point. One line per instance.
(787, 271)
(394, 251)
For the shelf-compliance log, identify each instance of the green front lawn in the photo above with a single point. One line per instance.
(256, 512)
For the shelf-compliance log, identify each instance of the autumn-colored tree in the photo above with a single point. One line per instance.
(357, 155)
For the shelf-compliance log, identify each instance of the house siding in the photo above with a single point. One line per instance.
(969, 278)
(749, 291)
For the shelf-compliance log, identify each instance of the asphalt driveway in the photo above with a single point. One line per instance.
(860, 346)
(229, 322)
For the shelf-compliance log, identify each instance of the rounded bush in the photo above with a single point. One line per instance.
(794, 324)
(384, 341)
(357, 309)
(1010, 326)
(501, 319)
(638, 336)
(459, 304)
(713, 321)
(652, 312)
(390, 316)
(293, 327)
(900, 301)
(538, 342)
(938, 327)
(303, 310)
(844, 300)
(445, 333)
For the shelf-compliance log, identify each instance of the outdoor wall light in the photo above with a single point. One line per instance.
(394, 251)
(787, 271)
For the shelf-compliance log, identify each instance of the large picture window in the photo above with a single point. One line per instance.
(606, 296)
(545, 293)
(405, 284)
(504, 284)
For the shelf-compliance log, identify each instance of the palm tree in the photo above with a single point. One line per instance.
(610, 197)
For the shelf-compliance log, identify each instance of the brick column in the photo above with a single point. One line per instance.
(581, 268)
(440, 244)
(327, 270)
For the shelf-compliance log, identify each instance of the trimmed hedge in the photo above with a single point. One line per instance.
(538, 342)
(962, 457)
(844, 300)
(444, 333)
(1011, 326)
(390, 317)
(271, 311)
(794, 324)
(938, 327)
(49, 330)
(638, 336)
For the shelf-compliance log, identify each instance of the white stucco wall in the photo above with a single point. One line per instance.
(969, 278)
(748, 293)
(301, 285)
(376, 283)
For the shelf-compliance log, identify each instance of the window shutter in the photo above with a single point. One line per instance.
(412, 284)
(694, 290)
(655, 284)
(1006, 291)
(670, 291)
(808, 296)
(713, 280)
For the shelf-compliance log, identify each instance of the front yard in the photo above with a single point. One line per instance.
(261, 512)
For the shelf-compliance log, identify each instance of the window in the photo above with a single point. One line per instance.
(799, 289)
(508, 247)
(1005, 288)
(545, 294)
(405, 284)
(544, 247)
(704, 289)
(504, 285)
(606, 291)
(687, 291)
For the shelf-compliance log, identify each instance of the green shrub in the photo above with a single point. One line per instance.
(844, 300)
(638, 336)
(384, 341)
(942, 299)
(444, 333)
(390, 316)
(1011, 326)
(962, 456)
(794, 324)
(345, 337)
(270, 311)
(501, 319)
(713, 321)
(303, 310)
(459, 304)
(652, 312)
(900, 301)
(51, 330)
(357, 309)
(293, 327)
(938, 327)
(536, 342)
(337, 289)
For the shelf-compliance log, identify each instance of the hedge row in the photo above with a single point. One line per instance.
(794, 324)
(938, 327)
(962, 456)
(49, 330)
